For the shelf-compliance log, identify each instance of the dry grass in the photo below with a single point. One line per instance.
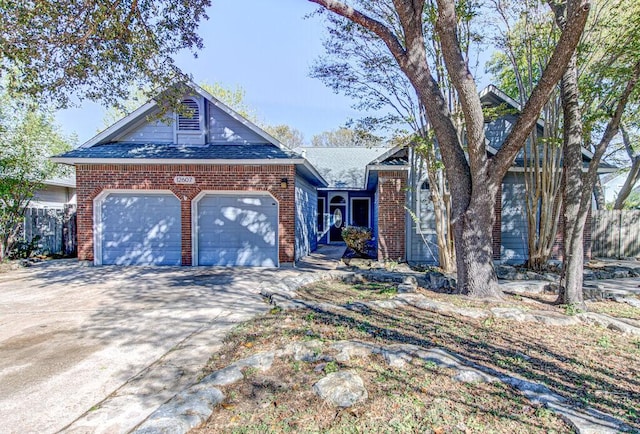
(590, 365)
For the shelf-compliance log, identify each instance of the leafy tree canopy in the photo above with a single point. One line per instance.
(96, 49)
(28, 137)
(345, 137)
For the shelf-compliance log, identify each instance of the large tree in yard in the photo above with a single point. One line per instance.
(473, 177)
(613, 62)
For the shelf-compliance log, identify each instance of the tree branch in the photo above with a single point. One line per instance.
(375, 26)
(539, 96)
(609, 133)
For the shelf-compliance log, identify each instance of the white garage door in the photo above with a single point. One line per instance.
(141, 229)
(237, 230)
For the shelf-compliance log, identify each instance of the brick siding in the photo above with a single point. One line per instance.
(392, 188)
(91, 179)
(558, 244)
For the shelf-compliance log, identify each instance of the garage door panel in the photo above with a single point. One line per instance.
(237, 230)
(141, 229)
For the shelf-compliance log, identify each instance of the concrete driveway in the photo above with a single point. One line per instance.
(96, 349)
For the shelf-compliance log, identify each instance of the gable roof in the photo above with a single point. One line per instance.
(103, 148)
(493, 96)
(343, 167)
(139, 115)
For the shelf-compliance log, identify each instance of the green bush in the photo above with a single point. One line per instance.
(357, 238)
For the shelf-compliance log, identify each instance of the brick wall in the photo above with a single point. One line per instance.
(391, 215)
(91, 179)
(558, 244)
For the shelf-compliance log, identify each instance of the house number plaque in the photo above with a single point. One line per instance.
(184, 179)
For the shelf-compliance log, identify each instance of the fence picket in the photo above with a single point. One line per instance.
(616, 233)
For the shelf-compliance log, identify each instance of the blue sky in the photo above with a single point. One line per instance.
(265, 47)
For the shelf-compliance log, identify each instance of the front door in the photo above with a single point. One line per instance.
(338, 213)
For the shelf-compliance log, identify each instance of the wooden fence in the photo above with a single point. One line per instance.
(56, 228)
(615, 234)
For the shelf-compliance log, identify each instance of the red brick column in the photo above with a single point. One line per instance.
(392, 188)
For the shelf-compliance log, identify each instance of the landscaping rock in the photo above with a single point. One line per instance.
(409, 284)
(470, 312)
(438, 281)
(261, 361)
(610, 322)
(397, 355)
(525, 286)
(633, 301)
(588, 421)
(512, 313)
(473, 376)
(342, 389)
(555, 319)
(387, 304)
(183, 412)
(223, 377)
(308, 351)
(507, 272)
(439, 357)
(348, 349)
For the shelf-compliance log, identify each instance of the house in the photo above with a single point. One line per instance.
(200, 186)
(345, 201)
(391, 195)
(204, 186)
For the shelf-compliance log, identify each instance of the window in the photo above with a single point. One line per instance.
(189, 118)
(426, 216)
(190, 122)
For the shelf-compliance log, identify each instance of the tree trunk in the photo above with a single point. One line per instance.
(572, 273)
(598, 192)
(629, 183)
(474, 247)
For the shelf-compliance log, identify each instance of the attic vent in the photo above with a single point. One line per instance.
(189, 119)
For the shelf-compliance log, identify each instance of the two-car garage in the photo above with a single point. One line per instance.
(145, 228)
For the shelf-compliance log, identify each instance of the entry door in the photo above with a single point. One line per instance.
(338, 212)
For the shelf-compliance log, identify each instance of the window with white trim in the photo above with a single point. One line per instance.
(425, 211)
(189, 117)
(189, 123)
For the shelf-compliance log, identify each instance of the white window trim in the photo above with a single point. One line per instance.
(97, 214)
(194, 217)
(202, 116)
(418, 211)
(368, 209)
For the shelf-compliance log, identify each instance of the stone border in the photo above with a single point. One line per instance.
(194, 405)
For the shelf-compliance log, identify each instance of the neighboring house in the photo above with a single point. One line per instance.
(56, 193)
(50, 217)
(200, 187)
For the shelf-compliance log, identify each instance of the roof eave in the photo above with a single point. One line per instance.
(192, 161)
